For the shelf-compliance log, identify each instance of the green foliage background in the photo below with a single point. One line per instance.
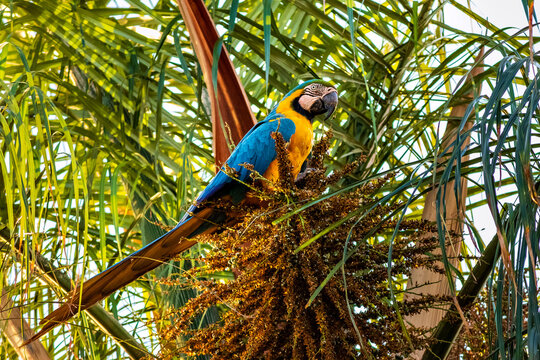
(105, 135)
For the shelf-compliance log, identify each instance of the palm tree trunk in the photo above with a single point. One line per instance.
(426, 281)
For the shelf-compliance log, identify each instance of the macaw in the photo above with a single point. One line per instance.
(292, 117)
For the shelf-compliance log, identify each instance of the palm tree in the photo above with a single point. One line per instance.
(106, 137)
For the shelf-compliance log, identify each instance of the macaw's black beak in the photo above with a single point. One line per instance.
(330, 102)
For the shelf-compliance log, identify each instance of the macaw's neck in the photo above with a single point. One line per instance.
(300, 142)
(291, 108)
(295, 104)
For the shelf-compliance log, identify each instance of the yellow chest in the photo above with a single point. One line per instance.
(301, 141)
(299, 145)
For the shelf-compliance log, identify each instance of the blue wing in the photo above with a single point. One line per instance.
(257, 148)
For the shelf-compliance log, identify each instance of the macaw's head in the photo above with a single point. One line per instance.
(315, 97)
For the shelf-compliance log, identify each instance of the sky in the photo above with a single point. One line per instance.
(503, 13)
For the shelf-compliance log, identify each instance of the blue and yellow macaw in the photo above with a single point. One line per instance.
(292, 117)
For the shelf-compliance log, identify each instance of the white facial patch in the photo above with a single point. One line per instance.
(306, 101)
